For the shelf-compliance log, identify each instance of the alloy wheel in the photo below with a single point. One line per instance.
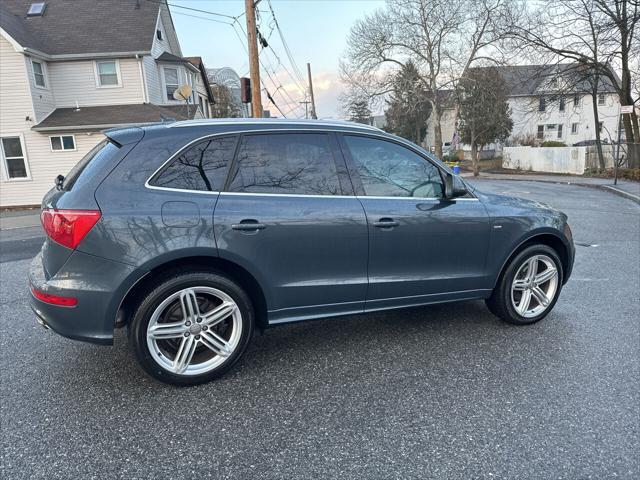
(534, 286)
(194, 330)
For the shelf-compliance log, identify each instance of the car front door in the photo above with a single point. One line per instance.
(422, 247)
(289, 217)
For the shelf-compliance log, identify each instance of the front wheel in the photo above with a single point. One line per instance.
(529, 287)
(191, 328)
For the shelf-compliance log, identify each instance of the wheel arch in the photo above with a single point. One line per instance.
(546, 237)
(198, 263)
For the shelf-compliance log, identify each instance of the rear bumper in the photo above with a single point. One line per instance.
(97, 284)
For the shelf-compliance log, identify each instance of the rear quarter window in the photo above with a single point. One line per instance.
(202, 166)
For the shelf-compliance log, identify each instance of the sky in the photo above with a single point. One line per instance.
(314, 30)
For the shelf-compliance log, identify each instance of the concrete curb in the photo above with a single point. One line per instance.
(617, 191)
(598, 186)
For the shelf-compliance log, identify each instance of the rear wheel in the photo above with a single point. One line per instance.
(529, 286)
(192, 328)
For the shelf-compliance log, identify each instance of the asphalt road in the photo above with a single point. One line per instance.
(442, 392)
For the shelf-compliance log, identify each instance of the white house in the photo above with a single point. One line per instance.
(549, 103)
(70, 69)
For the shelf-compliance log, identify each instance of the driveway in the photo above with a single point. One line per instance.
(446, 391)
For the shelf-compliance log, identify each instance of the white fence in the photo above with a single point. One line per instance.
(555, 159)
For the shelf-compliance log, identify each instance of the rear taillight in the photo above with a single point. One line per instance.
(68, 227)
(54, 299)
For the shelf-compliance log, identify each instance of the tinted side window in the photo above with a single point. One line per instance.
(293, 163)
(390, 170)
(202, 166)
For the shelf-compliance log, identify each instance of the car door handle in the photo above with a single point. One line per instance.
(386, 223)
(248, 225)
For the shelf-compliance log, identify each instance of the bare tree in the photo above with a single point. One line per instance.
(443, 38)
(225, 105)
(597, 36)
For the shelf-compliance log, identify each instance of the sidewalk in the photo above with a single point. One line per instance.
(624, 188)
(19, 218)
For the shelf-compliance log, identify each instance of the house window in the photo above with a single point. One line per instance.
(559, 131)
(540, 131)
(576, 100)
(170, 81)
(38, 74)
(601, 99)
(201, 102)
(561, 105)
(14, 160)
(574, 128)
(62, 142)
(600, 126)
(542, 105)
(159, 34)
(107, 73)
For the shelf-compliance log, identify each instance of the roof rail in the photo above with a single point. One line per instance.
(271, 121)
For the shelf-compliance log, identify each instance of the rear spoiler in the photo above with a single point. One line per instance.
(124, 136)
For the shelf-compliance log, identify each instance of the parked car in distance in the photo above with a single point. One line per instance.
(194, 234)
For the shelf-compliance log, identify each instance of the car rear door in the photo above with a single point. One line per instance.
(422, 247)
(289, 217)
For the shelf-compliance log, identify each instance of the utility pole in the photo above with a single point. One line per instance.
(306, 108)
(254, 64)
(313, 101)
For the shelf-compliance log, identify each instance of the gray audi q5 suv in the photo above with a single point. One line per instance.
(193, 234)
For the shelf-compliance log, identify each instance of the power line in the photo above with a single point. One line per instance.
(233, 22)
(285, 45)
(275, 84)
(201, 18)
(194, 9)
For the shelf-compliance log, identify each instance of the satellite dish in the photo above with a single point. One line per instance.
(182, 93)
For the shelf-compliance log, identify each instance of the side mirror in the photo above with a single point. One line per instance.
(454, 187)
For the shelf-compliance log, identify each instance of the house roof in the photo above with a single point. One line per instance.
(70, 27)
(528, 80)
(199, 64)
(101, 117)
(171, 58)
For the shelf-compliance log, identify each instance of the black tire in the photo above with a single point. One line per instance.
(500, 303)
(177, 281)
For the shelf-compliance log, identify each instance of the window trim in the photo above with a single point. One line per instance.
(97, 72)
(577, 125)
(336, 135)
(164, 83)
(5, 167)
(601, 96)
(45, 75)
(542, 104)
(75, 145)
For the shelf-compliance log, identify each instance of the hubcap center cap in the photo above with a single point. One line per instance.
(195, 329)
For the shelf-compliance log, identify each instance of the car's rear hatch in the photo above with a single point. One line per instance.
(70, 210)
